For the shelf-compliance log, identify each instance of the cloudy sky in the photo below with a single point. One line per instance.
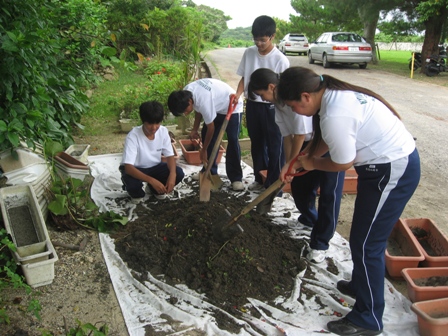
(244, 12)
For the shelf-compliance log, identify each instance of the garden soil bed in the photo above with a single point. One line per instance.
(181, 242)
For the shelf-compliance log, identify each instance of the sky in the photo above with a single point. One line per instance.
(244, 12)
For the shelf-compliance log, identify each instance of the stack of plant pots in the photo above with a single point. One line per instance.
(424, 267)
(27, 168)
(68, 166)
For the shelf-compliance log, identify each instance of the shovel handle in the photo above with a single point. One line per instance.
(214, 153)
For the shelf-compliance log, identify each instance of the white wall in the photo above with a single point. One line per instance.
(400, 46)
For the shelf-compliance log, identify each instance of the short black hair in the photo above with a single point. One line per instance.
(178, 101)
(263, 26)
(151, 112)
(260, 80)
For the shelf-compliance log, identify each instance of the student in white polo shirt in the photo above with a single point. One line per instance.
(297, 131)
(210, 99)
(358, 127)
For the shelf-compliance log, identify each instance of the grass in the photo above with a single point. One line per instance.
(101, 116)
(397, 62)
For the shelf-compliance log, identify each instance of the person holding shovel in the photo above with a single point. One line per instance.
(210, 99)
(142, 156)
(358, 127)
(297, 131)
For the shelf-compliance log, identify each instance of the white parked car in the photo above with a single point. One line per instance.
(340, 47)
(294, 43)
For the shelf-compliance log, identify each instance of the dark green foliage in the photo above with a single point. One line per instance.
(47, 51)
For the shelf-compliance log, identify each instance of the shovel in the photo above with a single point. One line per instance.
(204, 179)
(263, 203)
(216, 182)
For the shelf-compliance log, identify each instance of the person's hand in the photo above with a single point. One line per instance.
(236, 98)
(158, 186)
(170, 183)
(194, 135)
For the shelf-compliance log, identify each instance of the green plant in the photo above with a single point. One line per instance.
(84, 329)
(10, 279)
(71, 204)
(244, 254)
(46, 61)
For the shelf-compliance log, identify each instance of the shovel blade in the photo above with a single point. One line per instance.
(204, 187)
(216, 182)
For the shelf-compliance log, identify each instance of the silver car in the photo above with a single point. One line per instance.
(294, 43)
(340, 47)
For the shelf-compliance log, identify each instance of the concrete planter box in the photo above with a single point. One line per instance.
(24, 158)
(402, 250)
(421, 283)
(432, 242)
(191, 154)
(432, 317)
(23, 220)
(126, 125)
(79, 152)
(40, 273)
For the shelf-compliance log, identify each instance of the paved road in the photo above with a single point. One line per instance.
(424, 110)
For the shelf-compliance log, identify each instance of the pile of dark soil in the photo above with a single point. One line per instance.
(177, 238)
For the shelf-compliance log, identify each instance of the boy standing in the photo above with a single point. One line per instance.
(266, 140)
(210, 99)
(142, 156)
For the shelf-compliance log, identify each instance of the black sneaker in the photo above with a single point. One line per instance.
(344, 287)
(346, 328)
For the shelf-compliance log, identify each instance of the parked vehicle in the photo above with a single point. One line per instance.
(294, 43)
(340, 47)
(418, 58)
(417, 61)
(435, 64)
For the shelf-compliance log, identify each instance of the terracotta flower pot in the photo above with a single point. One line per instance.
(432, 242)
(191, 153)
(402, 250)
(426, 283)
(432, 317)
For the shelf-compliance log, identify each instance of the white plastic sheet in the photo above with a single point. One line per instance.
(151, 304)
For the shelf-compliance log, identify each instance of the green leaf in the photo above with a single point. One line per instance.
(109, 51)
(59, 205)
(3, 127)
(13, 138)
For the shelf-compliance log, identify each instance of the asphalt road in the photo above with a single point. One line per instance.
(422, 106)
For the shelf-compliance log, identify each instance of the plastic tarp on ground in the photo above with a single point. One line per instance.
(148, 304)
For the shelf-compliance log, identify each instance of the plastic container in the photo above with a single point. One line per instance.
(79, 152)
(68, 166)
(432, 242)
(418, 293)
(432, 317)
(192, 156)
(410, 256)
(40, 273)
(24, 221)
(25, 158)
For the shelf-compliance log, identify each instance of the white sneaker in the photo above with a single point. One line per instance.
(255, 186)
(237, 186)
(316, 256)
(195, 177)
(160, 196)
(136, 200)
